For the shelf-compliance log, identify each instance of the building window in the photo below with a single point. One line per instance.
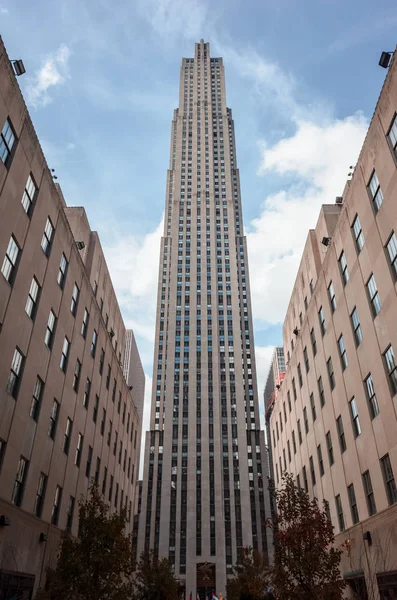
(36, 399)
(306, 359)
(373, 295)
(306, 485)
(20, 482)
(95, 411)
(84, 325)
(50, 330)
(79, 449)
(65, 355)
(388, 477)
(339, 512)
(392, 135)
(10, 262)
(306, 420)
(353, 503)
(342, 352)
(94, 343)
(375, 191)
(294, 388)
(32, 300)
(358, 234)
(331, 295)
(343, 268)
(299, 431)
(391, 369)
(97, 470)
(2, 451)
(312, 471)
(321, 318)
(392, 251)
(289, 401)
(56, 506)
(70, 513)
(320, 460)
(63, 267)
(329, 448)
(105, 476)
(110, 433)
(354, 415)
(358, 336)
(300, 375)
(7, 141)
(46, 240)
(75, 299)
(331, 374)
(53, 419)
(67, 436)
(89, 462)
(313, 341)
(40, 495)
(321, 391)
(103, 421)
(29, 196)
(87, 391)
(76, 376)
(14, 379)
(313, 407)
(369, 493)
(371, 397)
(293, 441)
(341, 434)
(101, 361)
(107, 383)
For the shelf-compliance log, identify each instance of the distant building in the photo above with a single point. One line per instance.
(275, 376)
(66, 413)
(334, 422)
(272, 388)
(133, 371)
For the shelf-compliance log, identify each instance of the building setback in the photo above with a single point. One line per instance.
(333, 424)
(204, 493)
(66, 413)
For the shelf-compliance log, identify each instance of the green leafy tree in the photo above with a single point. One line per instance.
(251, 576)
(306, 563)
(155, 579)
(97, 564)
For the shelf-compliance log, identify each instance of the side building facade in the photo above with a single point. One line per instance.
(334, 420)
(67, 414)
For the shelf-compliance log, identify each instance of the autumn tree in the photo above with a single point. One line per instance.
(306, 563)
(251, 576)
(154, 579)
(97, 564)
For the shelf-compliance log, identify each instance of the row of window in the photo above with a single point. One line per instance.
(20, 484)
(391, 369)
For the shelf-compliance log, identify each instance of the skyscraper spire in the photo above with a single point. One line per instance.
(205, 492)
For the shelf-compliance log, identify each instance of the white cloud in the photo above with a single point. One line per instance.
(4, 11)
(134, 263)
(53, 72)
(145, 419)
(175, 17)
(318, 157)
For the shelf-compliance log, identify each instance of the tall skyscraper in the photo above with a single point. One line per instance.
(205, 493)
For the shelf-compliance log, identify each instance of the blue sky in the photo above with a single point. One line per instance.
(102, 81)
